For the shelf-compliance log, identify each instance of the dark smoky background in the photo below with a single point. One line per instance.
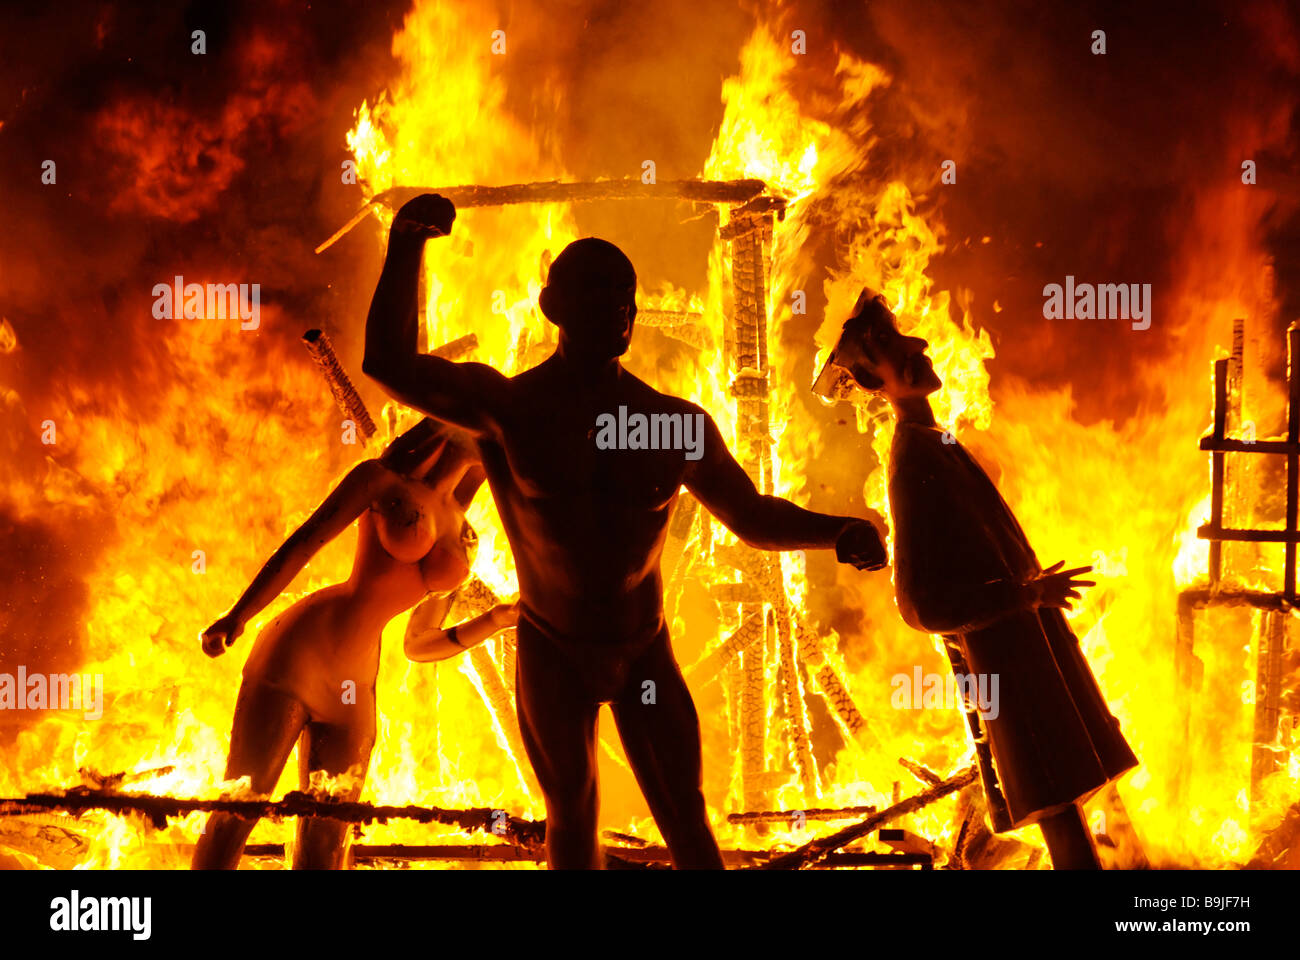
(227, 166)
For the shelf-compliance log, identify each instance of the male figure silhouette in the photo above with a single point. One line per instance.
(587, 526)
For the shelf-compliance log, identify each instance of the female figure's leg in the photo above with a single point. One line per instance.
(334, 748)
(267, 722)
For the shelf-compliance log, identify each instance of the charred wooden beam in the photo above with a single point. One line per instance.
(614, 856)
(1267, 754)
(1217, 467)
(993, 795)
(1284, 447)
(345, 394)
(625, 838)
(1218, 534)
(1199, 597)
(831, 685)
(816, 850)
(501, 705)
(651, 317)
(711, 664)
(924, 774)
(685, 326)
(798, 734)
(753, 711)
(458, 348)
(478, 598)
(1293, 460)
(553, 191)
(497, 686)
(158, 808)
(111, 781)
(813, 813)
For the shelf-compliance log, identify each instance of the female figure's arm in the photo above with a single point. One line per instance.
(435, 643)
(345, 503)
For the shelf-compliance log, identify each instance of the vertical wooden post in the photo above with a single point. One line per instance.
(749, 386)
(798, 736)
(1266, 753)
(1237, 469)
(1292, 460)
(1189, 673)
(1216, 466)
(422, 300)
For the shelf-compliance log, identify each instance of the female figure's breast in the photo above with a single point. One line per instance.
(404, 523)
(446, 566)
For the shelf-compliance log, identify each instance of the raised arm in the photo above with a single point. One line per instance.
(771, 523)
(344, 504)
(468, 395)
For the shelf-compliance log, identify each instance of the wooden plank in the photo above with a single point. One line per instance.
(1209, 531)
(1210, 444)
(1293, 462)
(1217, 468)
(553, 191)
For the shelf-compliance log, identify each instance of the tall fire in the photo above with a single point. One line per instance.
(142, 500)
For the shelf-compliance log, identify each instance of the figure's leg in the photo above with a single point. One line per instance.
(557, 718)
(335, 748)
(266, 724)
(661, 735)
(1068, 840)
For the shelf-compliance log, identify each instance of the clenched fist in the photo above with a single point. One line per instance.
(428, 215)
(220, 635)
(861, 545)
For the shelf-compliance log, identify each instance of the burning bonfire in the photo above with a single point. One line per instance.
(828, 740)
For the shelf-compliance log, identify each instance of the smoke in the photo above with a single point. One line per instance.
(126, 159)
(1075, 163)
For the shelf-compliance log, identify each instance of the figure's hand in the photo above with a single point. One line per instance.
(860, 544)
(221, 635)
(1055, 587)
(505, 615)
(428, 215)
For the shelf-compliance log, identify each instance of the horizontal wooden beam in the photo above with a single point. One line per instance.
(554, 191)
(747, 192)
(1246, 446)
(1197, 597)
(1210, 532)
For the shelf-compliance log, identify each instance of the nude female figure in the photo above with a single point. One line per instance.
(311, 673)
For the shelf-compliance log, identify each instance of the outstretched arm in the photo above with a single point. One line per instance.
(467, 395)
(771, 523)
(347, 501)
(432, 642)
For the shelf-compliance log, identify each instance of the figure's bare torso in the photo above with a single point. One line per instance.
(586, 525)
(409, 543)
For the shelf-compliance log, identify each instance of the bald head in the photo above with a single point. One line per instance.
(590, 294)
(587, 262)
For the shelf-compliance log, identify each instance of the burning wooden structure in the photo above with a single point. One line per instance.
(822, 181)
(1230, 435)
(765, 630)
